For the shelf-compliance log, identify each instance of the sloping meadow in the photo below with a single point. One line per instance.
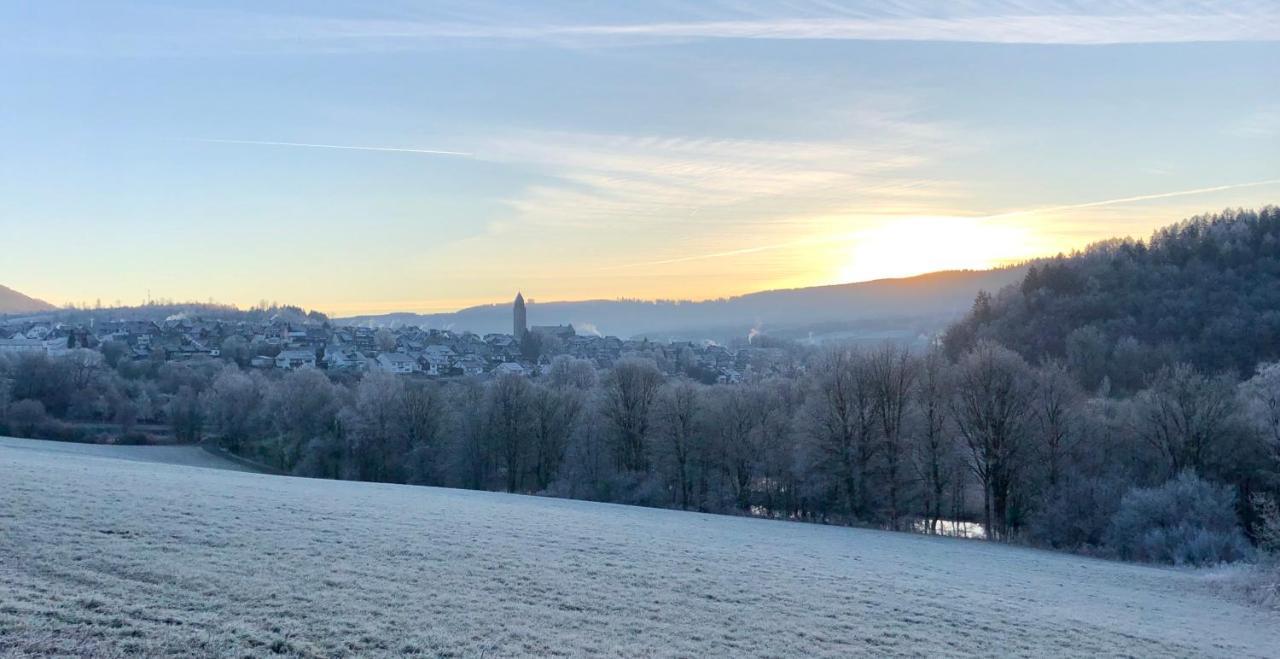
(115, 557)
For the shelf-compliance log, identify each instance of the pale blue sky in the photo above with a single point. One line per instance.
(648, 150)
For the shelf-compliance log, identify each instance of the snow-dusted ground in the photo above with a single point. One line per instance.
(190, 456)
(109, 557)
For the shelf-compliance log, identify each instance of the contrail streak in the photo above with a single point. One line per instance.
(1125, 200)
(1047, 209)
(344, 147)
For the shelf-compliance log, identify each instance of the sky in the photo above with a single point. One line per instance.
(361, 157)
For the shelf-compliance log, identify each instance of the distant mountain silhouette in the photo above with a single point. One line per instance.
(12, 301)
(936, 299)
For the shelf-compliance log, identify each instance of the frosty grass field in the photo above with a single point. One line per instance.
(111, 557)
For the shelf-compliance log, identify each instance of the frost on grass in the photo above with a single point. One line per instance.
(190, 456)
(111, 557)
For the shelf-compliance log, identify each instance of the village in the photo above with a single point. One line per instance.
(288, 342)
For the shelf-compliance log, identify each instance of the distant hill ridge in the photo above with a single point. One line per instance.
(939, 294)
(12, 301)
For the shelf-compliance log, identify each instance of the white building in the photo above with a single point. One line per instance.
(511, 368)
(397, 362)
(439, 358)
(338, 358)
(292, 359)
(470, 364)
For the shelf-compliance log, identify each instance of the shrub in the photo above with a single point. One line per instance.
(1074, 516)
(1186, 521)
(25, 417)
(1267, 529)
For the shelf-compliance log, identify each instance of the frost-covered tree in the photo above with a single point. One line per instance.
(233, 406)
(385, 340)
(508, 409)
(676, 411)
(1055, 400)
(893, 371)
(1183, 413)
(992, 406)
(571, 373)
(377, 428)
(426, 422)
(1261, 401)
(553, 412)
(841, 424)
(186, 415)
(935, 451)
(304, 406)
(629, 390)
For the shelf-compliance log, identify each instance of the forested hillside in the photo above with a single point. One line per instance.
(1205, 291)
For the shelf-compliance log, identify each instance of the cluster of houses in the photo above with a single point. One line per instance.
(288, 344)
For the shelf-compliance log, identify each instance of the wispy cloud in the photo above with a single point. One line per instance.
(343, 147)
(1042, 29)
(598, 181)
(362, 28)
(854, 236)
(634, 183)
(996, 21)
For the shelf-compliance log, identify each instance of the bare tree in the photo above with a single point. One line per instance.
(385, 339)
(629, 391)
(425, 418)
(553, 411)
(234, 349)
(841, 420)
(233, 404)
(6, 390)
(675, 416)
(935, 449)
(471, 459)
(778, 484)
(892, 372)
(732, 416)
(377, 436)
(1054, 403)
(571, 373)
(1261, 402)
(185, 415)
(1182, 413)
(509, 402)
(305, 406)
(991, 408)
(589, 463)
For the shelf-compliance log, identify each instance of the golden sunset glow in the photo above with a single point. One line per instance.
(690, 151)
(915, 245)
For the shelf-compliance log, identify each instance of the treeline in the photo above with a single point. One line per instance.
(1205, 292)
(882, 438)
(85, 313)
(1124, 402)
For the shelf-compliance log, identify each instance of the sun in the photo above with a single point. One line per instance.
(916, 245)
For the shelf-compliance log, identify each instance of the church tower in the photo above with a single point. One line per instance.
(519, 324)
